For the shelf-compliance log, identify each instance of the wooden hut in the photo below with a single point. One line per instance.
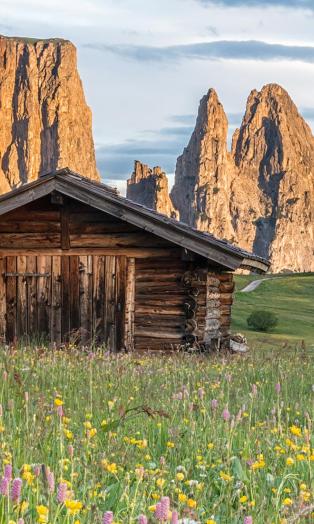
(79, 262)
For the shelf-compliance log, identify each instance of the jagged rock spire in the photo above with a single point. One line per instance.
(149, 187)
(45, 123)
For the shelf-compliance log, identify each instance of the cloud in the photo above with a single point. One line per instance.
(300, 4)
(116, 160)
(216, 50)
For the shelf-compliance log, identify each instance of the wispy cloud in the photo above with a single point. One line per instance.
(300, 4)
(216, 50)
(116, 161)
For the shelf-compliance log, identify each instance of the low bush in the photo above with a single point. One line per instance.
(262, 320)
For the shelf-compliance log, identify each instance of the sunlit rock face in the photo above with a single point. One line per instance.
(149, 187)
(45, 123)
(261, 194)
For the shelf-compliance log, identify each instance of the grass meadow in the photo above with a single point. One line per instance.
(184, 438)
(290, 298)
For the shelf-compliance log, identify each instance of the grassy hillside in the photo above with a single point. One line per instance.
(289, 297)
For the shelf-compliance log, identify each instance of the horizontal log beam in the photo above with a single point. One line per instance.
(129, 252)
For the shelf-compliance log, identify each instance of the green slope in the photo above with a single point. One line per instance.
(291, 298)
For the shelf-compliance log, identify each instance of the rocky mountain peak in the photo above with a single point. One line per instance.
(45, 123)
(149, 187)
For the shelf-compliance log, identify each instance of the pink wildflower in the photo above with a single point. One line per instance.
(37, 470)
(4, 487)
(278, 387)
(62, 492)
(20, 521)
(248, 520)
(226, 414)
(174, 517)
(50, 481)
(71, 450)
(8, 471)
(159, 511)
(60, 411)
(165, 507)
(142, 519)
(254, 390)
(214, 404)
(201, 393)
(16, 489)
(107, 518)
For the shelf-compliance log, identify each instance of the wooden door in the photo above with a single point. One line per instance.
(78, 299)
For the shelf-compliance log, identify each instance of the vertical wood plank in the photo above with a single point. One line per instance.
(11, 300)
(65, 298)
(109, 309)
(129, 305)
(84, 321)
(21, 317)
(3, 305)
(74, 297)
(65, 228)
(56, 300)
(44, 295)
(98, 299)
(120, 286)
(32, 316)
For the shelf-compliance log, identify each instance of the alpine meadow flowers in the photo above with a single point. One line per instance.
(88, 437)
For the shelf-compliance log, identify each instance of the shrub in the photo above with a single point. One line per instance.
(262, 320)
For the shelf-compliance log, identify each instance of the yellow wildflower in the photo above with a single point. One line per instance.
(295, 430)
(73, 506)
(42, 514)
(225, 476)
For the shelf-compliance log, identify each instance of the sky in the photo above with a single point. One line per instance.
(145, 64)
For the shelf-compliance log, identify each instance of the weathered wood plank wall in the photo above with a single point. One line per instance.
(71, 272)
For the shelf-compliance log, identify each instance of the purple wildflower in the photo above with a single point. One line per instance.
(201, 393)
(8, 471)
(226, 414)
(278, 387)
(159, 512)
(37, 470)
(16, 489)
(4, 487)
(214, 404)
(107, 518)
(62, 492)
(174, 517)
(50, 481)
(142, 519)
(165, 507)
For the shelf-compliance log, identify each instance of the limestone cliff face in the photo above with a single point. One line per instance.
(45, 123)
(261, 196)
(149, 187)
(274, 202)
(204, 172)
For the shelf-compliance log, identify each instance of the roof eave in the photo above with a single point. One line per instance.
(259, 266)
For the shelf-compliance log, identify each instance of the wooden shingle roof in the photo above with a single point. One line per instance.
(107, 199)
